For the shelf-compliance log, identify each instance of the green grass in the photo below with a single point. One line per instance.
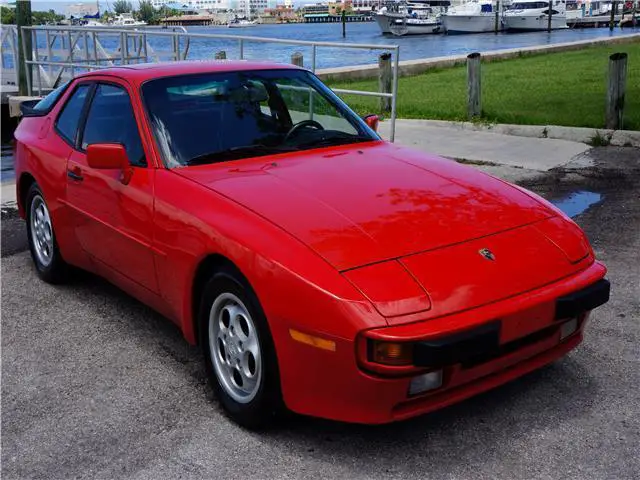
(565, 88)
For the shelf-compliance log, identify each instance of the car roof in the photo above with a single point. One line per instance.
(147, 71)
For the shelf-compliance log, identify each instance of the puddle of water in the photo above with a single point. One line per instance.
(577, 202)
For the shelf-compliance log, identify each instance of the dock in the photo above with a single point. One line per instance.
(596, 21)
(329, 18)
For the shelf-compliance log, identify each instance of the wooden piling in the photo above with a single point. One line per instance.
(616, 86)
(385, 78)
(23, 19)
(613, 16)
(474, 106)
(297, 59)
(344, 24)
(221, 55)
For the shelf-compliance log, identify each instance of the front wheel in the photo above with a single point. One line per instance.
(239, 351)
(49, 264)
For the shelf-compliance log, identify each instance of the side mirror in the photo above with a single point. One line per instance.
(372, 121)
(105, 156)
(27, 110)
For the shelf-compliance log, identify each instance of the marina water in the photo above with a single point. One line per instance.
(411, 47)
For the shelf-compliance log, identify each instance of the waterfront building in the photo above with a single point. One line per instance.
(280, 14)
(193, 5)
(363, 6)
(332, 12)
(252, 7)
(315, 9)
(243, 7)
(329, 8)
(349, 6)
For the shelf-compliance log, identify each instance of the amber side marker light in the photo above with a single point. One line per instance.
(391, 353)
(312, 340)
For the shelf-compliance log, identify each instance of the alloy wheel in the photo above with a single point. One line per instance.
(235, 348)
(41, 231)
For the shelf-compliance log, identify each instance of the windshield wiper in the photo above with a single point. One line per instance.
(235, 153)
(336, 138)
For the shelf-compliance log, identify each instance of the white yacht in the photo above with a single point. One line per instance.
(93, 23)
(416, 26)
(532, 15)
(392, 15)
(475, 16)
(587, 8)
(419, 22)
(242, 23)
(126, 20)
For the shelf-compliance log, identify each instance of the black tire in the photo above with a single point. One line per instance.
(56, 270)
(261, 411)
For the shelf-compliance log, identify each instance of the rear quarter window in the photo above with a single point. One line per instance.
(48, 102)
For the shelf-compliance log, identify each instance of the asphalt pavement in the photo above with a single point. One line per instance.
(96, 385)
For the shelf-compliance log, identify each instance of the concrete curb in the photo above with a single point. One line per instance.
(416, 67)
(8, 194)
(620, 138)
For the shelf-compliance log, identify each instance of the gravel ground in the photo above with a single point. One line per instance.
(96, 385)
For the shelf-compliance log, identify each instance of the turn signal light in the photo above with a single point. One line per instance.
(312, 340)
(391, 353)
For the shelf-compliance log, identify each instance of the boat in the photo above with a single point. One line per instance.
(416, 26)
(124, 20)
(121, 21)
(474, 16)
(533, 15)
(392, 14)
(243, 23)
(424, 24)
(587, 8)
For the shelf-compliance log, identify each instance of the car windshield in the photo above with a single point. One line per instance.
(217, 117)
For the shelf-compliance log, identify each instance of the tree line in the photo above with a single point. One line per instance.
(146, 12)
(8, 17)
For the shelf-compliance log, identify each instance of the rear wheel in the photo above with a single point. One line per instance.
(42, 240)
(238, 350)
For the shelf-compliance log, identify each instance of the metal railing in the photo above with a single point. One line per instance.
(60, 52)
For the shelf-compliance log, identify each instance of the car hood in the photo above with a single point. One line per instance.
(367, 203)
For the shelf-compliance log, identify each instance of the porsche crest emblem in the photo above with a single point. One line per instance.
(488, 254)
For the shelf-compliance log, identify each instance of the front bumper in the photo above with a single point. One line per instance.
(481, 344)
(512, 337)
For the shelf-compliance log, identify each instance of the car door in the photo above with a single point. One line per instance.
(113, 220)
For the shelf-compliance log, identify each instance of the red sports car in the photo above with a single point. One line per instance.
(320, 268)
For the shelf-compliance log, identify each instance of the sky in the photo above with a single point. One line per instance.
(61, 5)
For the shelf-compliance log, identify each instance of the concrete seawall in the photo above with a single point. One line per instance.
(416, 67)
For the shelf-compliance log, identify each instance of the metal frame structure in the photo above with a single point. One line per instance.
(80, 48)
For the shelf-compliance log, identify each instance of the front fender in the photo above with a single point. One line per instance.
(293, 284)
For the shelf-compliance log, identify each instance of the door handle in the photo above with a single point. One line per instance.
(75, 174)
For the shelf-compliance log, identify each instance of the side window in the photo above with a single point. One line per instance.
(111, 120)
(67, 123)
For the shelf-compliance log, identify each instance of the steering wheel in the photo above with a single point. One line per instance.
(302, 124)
